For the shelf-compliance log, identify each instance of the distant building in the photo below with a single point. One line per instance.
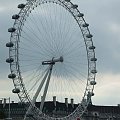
(96, 112)
(55, 108)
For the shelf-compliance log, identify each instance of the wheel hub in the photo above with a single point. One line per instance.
(53, 61)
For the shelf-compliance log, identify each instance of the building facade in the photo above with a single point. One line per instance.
(58, 109)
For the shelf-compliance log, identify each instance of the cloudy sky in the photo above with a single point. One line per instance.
(104, 19)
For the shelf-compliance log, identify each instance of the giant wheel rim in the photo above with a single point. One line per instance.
(14, 53)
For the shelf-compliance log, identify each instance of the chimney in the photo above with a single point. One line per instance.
(0, 101)
(66, 102)
(54, 100)
(72, 102)
(118, 105)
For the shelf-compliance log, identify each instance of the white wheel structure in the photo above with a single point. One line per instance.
(51, 53)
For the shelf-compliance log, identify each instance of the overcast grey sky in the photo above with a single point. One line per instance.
(104, 19)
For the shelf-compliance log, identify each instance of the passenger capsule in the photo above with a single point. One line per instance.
(92, 82)
(92, 94)
(15, 16)
(11, 30)
(85, 25)
(89, 36)
(93, 71)
(92, 47)
(21, 6)
(93, 59)
(16, 90)
(11, 76)
(9, 60)
(10, 44)
(80, 15)
(67, 0)
(75, 6)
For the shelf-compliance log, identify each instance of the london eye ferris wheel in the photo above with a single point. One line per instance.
(51, 53)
